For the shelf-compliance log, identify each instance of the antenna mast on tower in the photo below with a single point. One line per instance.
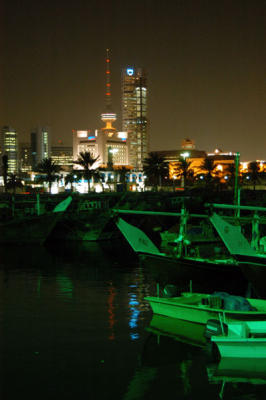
(108, 98)
(108, 116)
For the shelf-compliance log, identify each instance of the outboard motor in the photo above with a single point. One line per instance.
(170, 291)
(214, 328)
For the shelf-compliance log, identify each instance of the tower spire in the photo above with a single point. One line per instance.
(108, 116)
(108, 98)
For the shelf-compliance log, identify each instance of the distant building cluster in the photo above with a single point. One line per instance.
(128, 147)
(223, 161)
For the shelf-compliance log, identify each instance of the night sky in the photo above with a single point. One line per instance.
(205, 62)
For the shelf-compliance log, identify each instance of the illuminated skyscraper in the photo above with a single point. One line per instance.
(40, 146)
(25, 157)
(9, 147)
(134, 114)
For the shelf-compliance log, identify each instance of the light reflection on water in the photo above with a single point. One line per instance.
(73, 323)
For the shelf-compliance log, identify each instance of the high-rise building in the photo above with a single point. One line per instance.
(40, 145)
(134, 114)
(9, 147)
(25, 157)
(107, 143)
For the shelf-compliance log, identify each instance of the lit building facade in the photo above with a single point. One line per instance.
(9, 147)
(63, 156)
(40, 146)
(221, 160)
(109, 145)
(134, 114)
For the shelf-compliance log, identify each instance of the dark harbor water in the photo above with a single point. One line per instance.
(74, 324)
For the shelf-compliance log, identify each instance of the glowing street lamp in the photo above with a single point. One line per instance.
(185, 155)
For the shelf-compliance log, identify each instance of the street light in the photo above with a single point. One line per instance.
(185, 154)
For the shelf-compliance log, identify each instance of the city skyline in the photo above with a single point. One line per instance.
(204, 60)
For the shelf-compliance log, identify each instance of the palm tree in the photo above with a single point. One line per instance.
(123, 171)
(71, 178)
(208, 166)
(86, 161)
(13, 182)
(253, 173)
(50, 171)
(5, 169)
(155, 168)
(183, 169)
(230, 173)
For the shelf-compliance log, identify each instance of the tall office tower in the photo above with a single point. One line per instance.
(9, 147)
(134, 114)
(107, 143)
(40, 146)
(24, 157)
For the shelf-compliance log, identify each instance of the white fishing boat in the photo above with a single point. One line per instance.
(244, 339)
(200, 307)
(145, 247)
(238, 258)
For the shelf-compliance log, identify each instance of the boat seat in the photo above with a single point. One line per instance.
(239, 330)
(191, 299)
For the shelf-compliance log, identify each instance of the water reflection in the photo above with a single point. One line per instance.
(65, 286)
(241, 378)
(111, 308)
(140, 383)
(73, 323)
(180, 347)
(136, 304)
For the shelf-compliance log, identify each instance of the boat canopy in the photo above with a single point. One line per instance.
(232, 237)
(137, 239)
(63, 205)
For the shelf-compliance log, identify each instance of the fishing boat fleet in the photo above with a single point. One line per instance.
(215, 246)
(236, 325)
(224, 252)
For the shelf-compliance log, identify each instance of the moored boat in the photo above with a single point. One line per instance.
(200, 307)
(228, 252)
(245, 339)
(33, 229)
(217, 268)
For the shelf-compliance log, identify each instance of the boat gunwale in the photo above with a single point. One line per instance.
(229, 339)
(229, 263)
(199, 307)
